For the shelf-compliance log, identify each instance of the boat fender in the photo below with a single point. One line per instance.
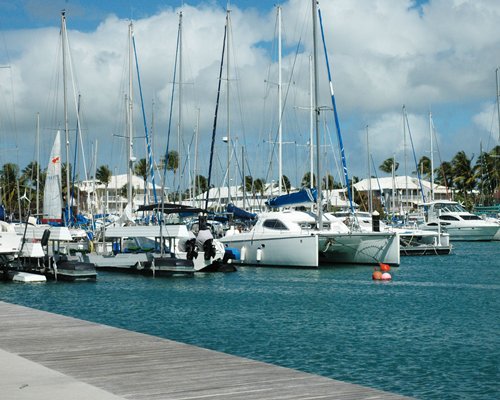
(377, 275)
(45, 237)
(384, 267)
(243, 253)
(259, 254)
(386, 276)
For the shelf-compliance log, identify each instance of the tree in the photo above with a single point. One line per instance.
(201, 184)
(328, 183)
(463, 175)
(306, 180)
(443, 175)
(285, 183)
(8, 183)
(386, 166)
(424, 166)
(259, 185)
(103, 176)
(486, 171)
(173, 163)
(248, 183)
(141, 168)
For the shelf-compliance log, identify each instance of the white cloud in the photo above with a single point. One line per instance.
(383, 53)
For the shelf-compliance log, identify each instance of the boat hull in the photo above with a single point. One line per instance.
(468, 233)
(274, 250)
(359, 248)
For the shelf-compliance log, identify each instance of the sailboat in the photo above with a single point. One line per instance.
(160, 249)
(53, 232)
(299, 238)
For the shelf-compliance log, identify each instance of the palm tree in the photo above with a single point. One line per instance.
(8, 183)
(306, 180)
(443, 175)
(463, 175)
(141, 168)
(386, 166)
(248, 183)
(201, 184)
(487, 174)
(29, 177)
(173, 163)
(285, 183)
(259, 185)
(328, 182)
(424, 166)
(103, 176)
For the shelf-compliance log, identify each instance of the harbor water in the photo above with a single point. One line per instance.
(433, 332)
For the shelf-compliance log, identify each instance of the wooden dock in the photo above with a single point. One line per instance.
(132, 365)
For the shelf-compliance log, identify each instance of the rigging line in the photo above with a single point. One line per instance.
(214, 130)
(165, 164)
(148, 144)
(441, 167)
(337, 123)
(76, 103)
(414, 155)
(382, 200)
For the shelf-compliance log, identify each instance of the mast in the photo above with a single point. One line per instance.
(37, 164)
(405, 153)
(311, 125)
(498, 100)
(228, 135)
(179, 123)
(370, 201)
(431, 128)
(130, 101)
(196, 174)
(280, 125)
(65, 103)
(316, 112)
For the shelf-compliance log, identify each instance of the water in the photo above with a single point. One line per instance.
(431, 333)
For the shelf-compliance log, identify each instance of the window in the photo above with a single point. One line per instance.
(275, 224)
(470, 217)
(448, 218)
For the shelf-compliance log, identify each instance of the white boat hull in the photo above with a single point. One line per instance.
(275, 250)
(468, 233)
(359, 248)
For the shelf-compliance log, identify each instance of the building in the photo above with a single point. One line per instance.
(402, 193)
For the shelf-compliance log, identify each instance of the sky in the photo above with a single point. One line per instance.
(435, 56)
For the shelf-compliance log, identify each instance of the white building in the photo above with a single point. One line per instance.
(95, 197)
(403, 193)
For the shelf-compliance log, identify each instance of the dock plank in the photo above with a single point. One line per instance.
(137, 366)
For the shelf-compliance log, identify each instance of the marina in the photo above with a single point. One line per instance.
(203, 217)
(431, 332)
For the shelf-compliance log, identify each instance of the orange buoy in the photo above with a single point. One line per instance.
(377, 275)
(386, 276)
(384, 267)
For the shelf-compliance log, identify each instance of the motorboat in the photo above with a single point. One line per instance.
(161, 249)
(453, 218)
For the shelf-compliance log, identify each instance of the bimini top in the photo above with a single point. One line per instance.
(303, 196)
(240, 213)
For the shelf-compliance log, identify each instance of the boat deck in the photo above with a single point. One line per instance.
(108, 363)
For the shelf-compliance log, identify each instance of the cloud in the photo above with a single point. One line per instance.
(383, 54)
